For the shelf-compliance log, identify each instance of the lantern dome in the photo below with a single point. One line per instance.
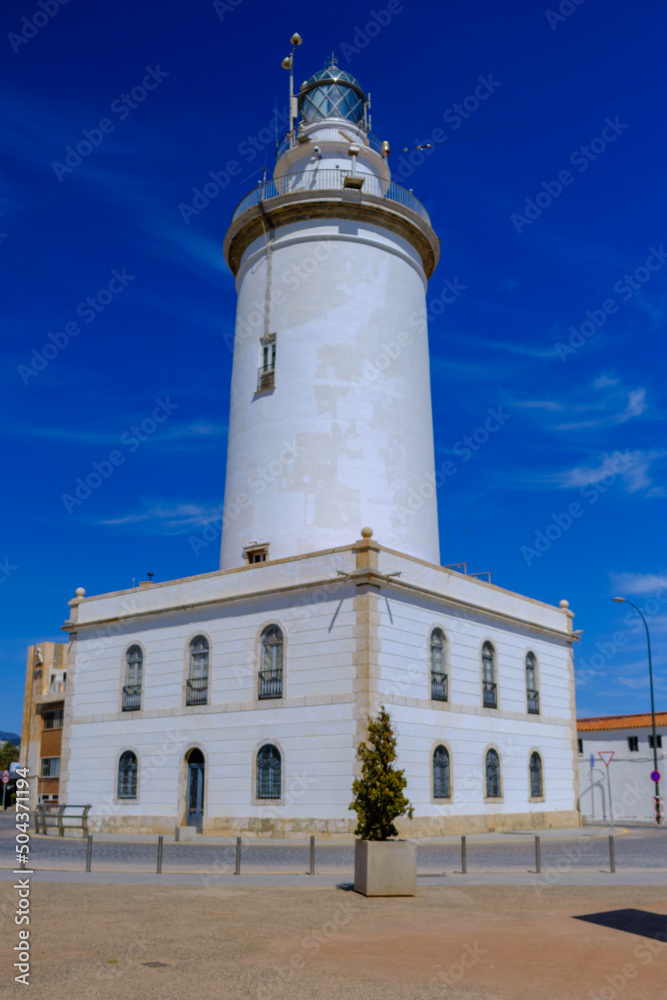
(332, 93)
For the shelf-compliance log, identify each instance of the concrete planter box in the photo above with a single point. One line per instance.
(385, 867)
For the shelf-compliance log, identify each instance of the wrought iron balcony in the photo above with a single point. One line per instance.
(438, 686)
(320, 179)
(132, 698)
(533, 702)
(490, 700)
(197, 693)
(270, 684)
(266, 378)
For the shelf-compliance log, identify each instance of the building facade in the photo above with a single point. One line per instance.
(628, 775)
(234, 701)
(43, 712)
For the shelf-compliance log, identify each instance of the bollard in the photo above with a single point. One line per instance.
(612, 855)
(312, 856)
(160, 842)
(237, 870)
(538, 855)
(464, 856)
(89, 852)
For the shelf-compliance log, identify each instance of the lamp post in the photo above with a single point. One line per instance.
(288, 63)
(624, 600)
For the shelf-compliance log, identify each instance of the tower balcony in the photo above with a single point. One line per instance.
(331, 193)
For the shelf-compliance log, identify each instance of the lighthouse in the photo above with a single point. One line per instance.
(232, 701)
(330, 422)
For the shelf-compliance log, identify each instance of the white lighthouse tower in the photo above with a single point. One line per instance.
(330, 425)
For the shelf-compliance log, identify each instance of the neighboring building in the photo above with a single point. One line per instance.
(234, 700)
(632, 791)
(43, 706)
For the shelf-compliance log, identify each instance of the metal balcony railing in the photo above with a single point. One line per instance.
(533, 702)
(197, 693)
(132, 698)
(438, 686)
(490, 700)
(319, 179)
(266, 378)
(270, 684)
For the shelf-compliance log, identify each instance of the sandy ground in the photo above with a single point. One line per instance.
(91, 941)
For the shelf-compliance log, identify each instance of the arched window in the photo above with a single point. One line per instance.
(438, 671)
(271, 669)
(489, 676)
(492, 774)
(268, 772)
(441, 773)
(134, 664)
(197, 693)
(536, 776)
(127, 776)
(532, 696)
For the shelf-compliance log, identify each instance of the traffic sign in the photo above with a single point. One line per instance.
(606, 756)
(592, 761)
(5, 777)
(655, 776)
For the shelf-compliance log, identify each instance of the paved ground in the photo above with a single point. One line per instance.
(317, 943)
(641, 848)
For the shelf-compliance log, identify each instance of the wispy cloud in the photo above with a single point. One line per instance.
(165, 517)
(638, 583)
(187, 434)
(632, 467)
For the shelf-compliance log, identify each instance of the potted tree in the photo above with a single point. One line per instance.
(382, 866)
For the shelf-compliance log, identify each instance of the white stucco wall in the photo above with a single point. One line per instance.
(632, 791)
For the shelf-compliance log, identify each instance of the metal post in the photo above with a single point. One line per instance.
(312, 856)
(237, 870)
(4, 792)
(612, 855)
(464, 856)
(89, 852)
(538, 855)
(611, 808)
(592, 792)
(160, 844)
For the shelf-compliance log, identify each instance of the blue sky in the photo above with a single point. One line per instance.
(553, 235)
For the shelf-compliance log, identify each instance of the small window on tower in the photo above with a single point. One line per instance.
(256, 553)
(266, 373)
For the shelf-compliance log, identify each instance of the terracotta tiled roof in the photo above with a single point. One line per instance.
(620, 722)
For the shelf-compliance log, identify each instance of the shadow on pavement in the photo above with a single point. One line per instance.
(651, 925)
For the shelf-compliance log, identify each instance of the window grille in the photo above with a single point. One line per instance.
(441, 773)
(492, 775)
(197, 687)
(266, 373)
(438, 672)
(271, 671)
(532, 695)
(535, 776)
(133, 677)
(268, 772)
(489, 676)
(633, 744)
(50, 767)
(54, 719)
(127, 776)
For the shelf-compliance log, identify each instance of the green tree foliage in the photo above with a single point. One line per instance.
(378, 793)
(8, 754)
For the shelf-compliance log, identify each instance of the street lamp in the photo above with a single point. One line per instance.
(288, 63)
(624, 600)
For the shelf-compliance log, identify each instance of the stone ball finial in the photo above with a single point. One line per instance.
(80, 592)
(564, 604)
(366, 532)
